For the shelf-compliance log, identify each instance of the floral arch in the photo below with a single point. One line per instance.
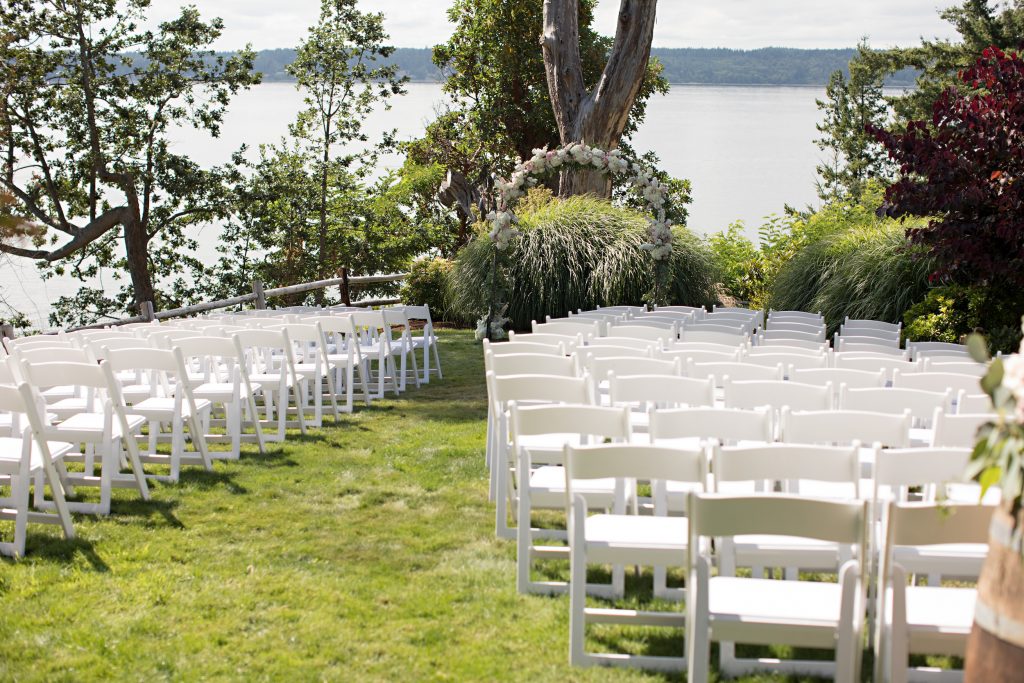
(578, 155)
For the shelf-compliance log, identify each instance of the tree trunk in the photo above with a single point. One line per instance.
(595, 117)
(136, 247)
(322, 227)
(995, 648)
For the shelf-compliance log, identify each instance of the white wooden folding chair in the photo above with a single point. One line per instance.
(763, 611)
(343, 359)
(526, 390)
(373, 334)
(790, 343)
(26, 456)
(873, 362)
(776, 394)
(735, 338)
(932, 619)
(402, 346)
(699, 356)
(570, 327)
(426, 341)
(874, 346)
(268, 365)
(919, 350)
(218, 373)
(896, 400)
(937, 381)
(839, 377)
(658, 334)
(103, 427)
(623, 539)
(543, 486)
(957, 431)
(170, 402)
(568, 341)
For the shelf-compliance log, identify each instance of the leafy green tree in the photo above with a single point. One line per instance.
(854, 156)
(500, 109)
(979, 23)
(341, 70)
(90, 99)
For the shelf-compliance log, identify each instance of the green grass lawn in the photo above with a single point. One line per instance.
(363, 551)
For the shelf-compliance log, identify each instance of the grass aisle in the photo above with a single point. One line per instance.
(364, 551)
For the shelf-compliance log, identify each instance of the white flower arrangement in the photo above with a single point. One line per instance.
(544, 161)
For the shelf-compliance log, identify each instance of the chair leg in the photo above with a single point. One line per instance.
(19, 489)
(577, 605)
(698, 628)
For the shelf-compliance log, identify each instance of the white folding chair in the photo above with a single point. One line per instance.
(569, 326)
(919, 350)
(526, 390)
(218, 373)
(763, 611)
(932, 619)
(868, 345)
(896, 400)
(813, 350)
(268, 365)
(967, 367)
(402, 345)
(426, 341)
(735, 338)
(373, 334)
(788, 361)
(775, 394)
(170, 402)
(570, 342)
(624, 342)
(839, 377)
(789, 342)
(518, 346)
(26, 456)
(974, 403)
(937, 381)
(660, 335)
(777, 334)
(103, 427)
(343, 359)
(544, 486)
(620, 539)
(958, 431)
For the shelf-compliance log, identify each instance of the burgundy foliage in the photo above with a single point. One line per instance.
(966, 170)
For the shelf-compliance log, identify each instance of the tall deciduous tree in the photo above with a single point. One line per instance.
(596, 116)
(341, 71)
(91, 97)
(500, 109)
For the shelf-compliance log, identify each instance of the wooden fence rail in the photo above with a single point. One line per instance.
(258, 298)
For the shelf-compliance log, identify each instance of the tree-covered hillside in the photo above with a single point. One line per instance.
(714, 66)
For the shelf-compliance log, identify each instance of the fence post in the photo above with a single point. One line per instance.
(346, 295)
(147, 312)
(7, 330)
(261, 298)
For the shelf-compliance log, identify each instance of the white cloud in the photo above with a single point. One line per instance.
(681, 23)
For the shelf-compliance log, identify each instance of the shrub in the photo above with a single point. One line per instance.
(428, 284)
(579, 252)
(950, 313)
(738, 262)
(852, 264)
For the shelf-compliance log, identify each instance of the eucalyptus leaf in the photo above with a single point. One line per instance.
(989, 476)
(993, 378)
(977, 347)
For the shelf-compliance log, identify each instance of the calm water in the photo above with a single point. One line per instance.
(747, 150)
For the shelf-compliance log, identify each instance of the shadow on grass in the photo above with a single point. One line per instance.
(62, 551)
(205, 481)
(130, 511)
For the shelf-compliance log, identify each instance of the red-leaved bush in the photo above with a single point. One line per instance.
(967, 172)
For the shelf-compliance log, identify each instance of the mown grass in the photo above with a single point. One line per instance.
(364, 551)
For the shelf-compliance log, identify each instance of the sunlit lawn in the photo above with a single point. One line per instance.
(364, 551)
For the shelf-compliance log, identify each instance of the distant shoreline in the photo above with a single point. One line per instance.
(773, 66)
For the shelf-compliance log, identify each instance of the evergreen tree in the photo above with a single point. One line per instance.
(850, 107)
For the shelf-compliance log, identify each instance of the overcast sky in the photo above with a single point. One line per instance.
(681, 23)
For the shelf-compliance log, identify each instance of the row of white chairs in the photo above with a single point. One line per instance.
(87, 397)
(651, 383)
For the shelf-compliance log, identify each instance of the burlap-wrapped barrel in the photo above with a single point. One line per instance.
(995, 649)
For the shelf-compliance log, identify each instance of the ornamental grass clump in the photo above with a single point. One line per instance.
(865, 271)
(579, 252)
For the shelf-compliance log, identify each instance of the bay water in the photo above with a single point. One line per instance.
(748, 150)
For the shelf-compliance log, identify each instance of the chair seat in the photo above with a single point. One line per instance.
(220, 392)
(939, 619)
(547, 449)
(637, 539)
(89, 426)
(11, 449)
(162, 408)
(547, 489)
(805, 607)
(57, 393)
(336, 359)
(269, 381)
